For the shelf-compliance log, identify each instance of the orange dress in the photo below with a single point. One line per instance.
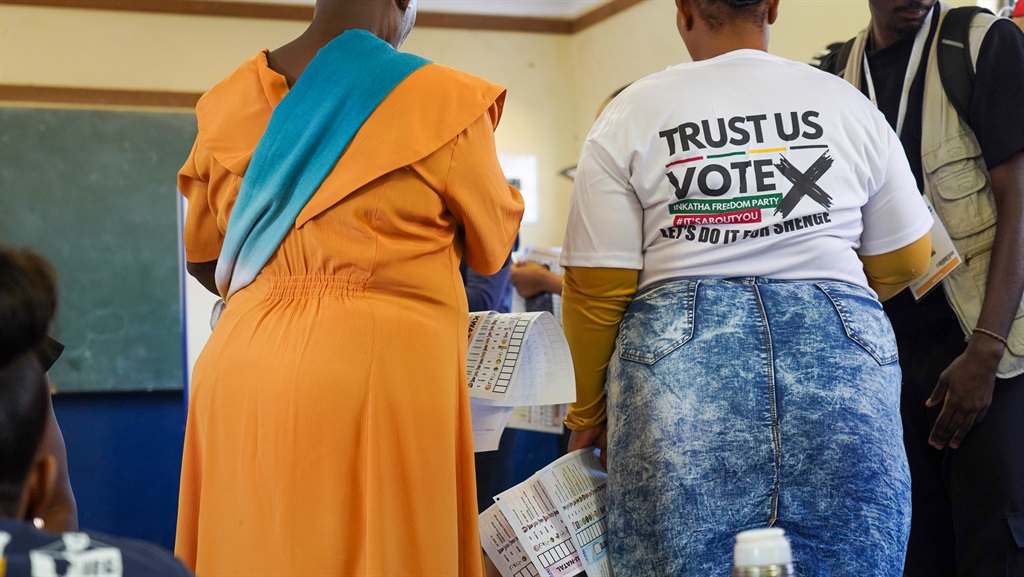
(328, 427)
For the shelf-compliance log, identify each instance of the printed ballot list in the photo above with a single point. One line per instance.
(514, 360)
(519, 359)
(552, 524)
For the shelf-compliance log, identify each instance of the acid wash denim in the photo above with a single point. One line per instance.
(744, 403)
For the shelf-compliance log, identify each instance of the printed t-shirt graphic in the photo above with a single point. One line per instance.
(726, 165)
(76, 554)
(714, 176)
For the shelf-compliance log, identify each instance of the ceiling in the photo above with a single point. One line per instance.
(567, 9)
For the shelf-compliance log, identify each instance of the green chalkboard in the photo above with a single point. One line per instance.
(94, 191)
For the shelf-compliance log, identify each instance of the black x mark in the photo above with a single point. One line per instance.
(804, 183)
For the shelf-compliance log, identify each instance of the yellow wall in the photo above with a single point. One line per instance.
(145, 51)
(555, 82)
(123, 50)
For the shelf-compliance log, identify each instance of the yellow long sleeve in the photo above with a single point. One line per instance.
(892, 272)
(594, 301)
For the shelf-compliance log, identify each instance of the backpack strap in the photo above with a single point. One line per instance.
(843, 57)
(955, 61)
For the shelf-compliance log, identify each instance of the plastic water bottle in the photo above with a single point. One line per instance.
(762, 553)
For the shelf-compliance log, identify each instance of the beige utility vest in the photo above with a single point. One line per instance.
(957, 183)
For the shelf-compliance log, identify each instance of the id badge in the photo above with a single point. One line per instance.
(945, 258)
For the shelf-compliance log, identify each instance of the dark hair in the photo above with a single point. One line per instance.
(28, 299)
(716, 13)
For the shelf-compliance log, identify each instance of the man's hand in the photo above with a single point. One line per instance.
(592, 437)
(532, 278)
(965, 392)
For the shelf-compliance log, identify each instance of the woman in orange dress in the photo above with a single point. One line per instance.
(328, 429)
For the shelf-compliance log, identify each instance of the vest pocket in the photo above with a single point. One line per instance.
(959, 180)
(658, 322)
(863, 320)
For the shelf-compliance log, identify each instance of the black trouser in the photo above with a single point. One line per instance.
(499, 470)
(968, 503)
(494, 470)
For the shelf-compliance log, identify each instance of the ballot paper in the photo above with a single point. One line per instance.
(502, 546)
(538, 526)
(556, 518)
(577, 484)
(519, 359)
(515, 360)
(489, 422)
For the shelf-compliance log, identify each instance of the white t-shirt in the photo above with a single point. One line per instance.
(743, 165)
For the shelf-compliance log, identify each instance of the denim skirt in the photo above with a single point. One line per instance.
(736, 404)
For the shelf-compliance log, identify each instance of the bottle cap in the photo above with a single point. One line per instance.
(762, 547)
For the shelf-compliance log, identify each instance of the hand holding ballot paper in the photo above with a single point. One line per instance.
(514, 360)
(553, 523)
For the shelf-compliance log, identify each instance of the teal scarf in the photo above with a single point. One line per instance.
(307, 134)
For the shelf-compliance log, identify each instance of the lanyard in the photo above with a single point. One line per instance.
(915, 61)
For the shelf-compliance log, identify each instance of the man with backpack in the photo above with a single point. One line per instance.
(951, 83)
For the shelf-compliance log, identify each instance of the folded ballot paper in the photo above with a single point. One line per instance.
(552, 524)
(514, 360)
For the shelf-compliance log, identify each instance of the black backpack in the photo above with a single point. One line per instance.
(956, 70)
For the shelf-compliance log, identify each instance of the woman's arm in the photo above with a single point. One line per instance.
(205, 273)
(594, 301)
(892, 272)
(487, 208)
